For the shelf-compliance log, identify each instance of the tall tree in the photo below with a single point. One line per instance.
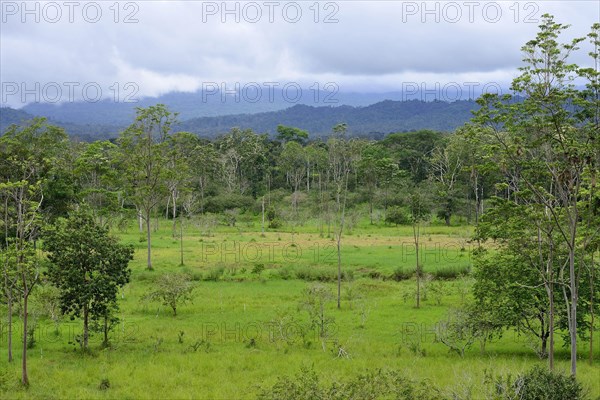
(182, 149)
(445, 168)
(28, 157)
(343, 154)
(376, 171)
(205, 167)
(143, 158)
(549, 138)
(293, 164)
(243, 158)
(419, 206)
(96, 175)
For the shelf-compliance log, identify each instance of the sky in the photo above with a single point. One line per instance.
(72, 50)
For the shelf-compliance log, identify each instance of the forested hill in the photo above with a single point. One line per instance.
(374, 121)
(87, 132)
(380, 118)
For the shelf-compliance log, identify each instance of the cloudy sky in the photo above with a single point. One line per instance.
(360, 46)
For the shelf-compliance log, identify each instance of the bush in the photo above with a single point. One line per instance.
(312, 273)
(537, 383)
(374, 274)
(215, 273)
(285, 273)
(401, 274)
(397, 216)
(104, 384)
(258, 269)
(218, 204)
(369, 385)
(452, 272)
(171, 290)
(304, 385)
(275, 223)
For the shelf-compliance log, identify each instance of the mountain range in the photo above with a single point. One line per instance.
(90, 121)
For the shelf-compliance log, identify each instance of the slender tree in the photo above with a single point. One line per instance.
(28, 155)
(549, 139)
(143, 159)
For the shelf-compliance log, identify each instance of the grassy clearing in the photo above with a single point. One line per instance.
(244, 328)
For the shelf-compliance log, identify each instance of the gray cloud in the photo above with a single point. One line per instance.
(178, 45)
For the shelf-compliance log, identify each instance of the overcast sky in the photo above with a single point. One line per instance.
(360, 46)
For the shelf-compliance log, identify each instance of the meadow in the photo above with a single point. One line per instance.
(247, 326)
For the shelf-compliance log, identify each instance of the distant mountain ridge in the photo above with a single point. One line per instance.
(375, 120)
(199, 104)
(87, 132)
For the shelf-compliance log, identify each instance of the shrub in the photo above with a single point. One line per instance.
(218, 204)
(377, 384)
(215, 273)
(258, 268)
(285, 273)
(304, 385)
(311, 273)
(374, 274)
(397, 216)
(104, 384)
(401, 274)
(172, 290)
(537, 383)
(275, 223)
(451, 272)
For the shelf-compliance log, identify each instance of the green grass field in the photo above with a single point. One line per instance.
(243, 328)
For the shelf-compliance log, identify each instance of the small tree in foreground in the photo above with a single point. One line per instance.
(172, 290)
(316, 297)
(87, 266)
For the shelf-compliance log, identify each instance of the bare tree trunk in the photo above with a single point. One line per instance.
(339, 280)
(10, 354)
(156, 221)
(262, 226)
(85, 327)
(201, 198)
(140, 221)
(339, 240)
(167, 207)
(573, 306)
(105, 342)
(385, 194)
(551, 325)
(591, 356)
(418, 268)
(148, 233)
(174, 212)
(181, 241)
(7, 284)
(308, 178)
(476, 200)
(544, 346)
(592, 310)
(550, 286)
(321, 208)
(25, 376)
